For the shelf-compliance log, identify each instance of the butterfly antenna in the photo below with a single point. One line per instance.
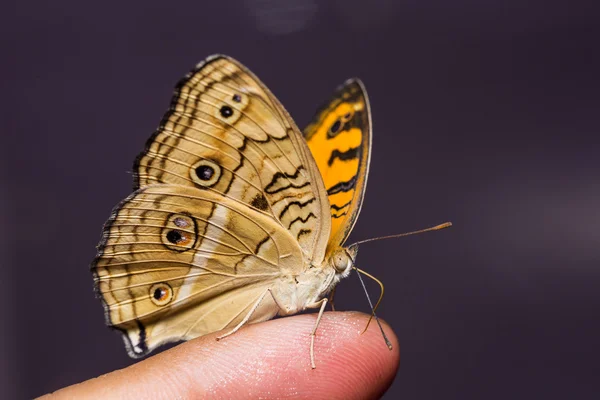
(360, 271)
(433, 228)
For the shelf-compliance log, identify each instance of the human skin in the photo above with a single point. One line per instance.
(265, 360)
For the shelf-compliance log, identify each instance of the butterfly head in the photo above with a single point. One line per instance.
(342, 260)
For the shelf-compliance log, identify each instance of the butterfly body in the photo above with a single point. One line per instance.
(236, 216)
(296, 292)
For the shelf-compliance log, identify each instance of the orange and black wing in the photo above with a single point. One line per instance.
(339, 138)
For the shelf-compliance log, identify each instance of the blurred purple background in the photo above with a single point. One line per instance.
(486, 113)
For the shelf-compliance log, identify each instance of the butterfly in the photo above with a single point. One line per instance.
(237, 216)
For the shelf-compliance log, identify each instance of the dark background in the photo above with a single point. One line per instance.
(486, 113)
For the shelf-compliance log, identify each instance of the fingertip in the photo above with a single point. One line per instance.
(272, 359)
(356, 363)
(268, 360)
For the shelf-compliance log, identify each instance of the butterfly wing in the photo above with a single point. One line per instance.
(339, 138)
(229, 199)
(225, 123)
(178, 262)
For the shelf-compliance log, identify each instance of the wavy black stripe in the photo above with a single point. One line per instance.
(303, 232)
(298, 203)
(342, 186)
(338, 215)
(291, 185)
(338, 208)
(257, 248)
(349, 154)
(278, 175)
(303, 220)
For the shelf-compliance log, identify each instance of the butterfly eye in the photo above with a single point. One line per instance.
(231, 110)
(181, 222)
(205, 173)
(179, 233)
(226, 111)
(178, 237)
(335, 127)
(341, 262)
(161, 294)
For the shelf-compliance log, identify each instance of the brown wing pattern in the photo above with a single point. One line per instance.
(226, 133)
(228, 200)
(177, 262)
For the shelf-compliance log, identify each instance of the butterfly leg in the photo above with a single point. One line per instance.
(275, 299)
(247, 317)
(322, 304)
(331, 298)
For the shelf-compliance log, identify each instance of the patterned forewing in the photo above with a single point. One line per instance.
(226, 133)
(339, 138)
(205, 251)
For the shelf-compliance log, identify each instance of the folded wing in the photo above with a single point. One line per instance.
(170, 248)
